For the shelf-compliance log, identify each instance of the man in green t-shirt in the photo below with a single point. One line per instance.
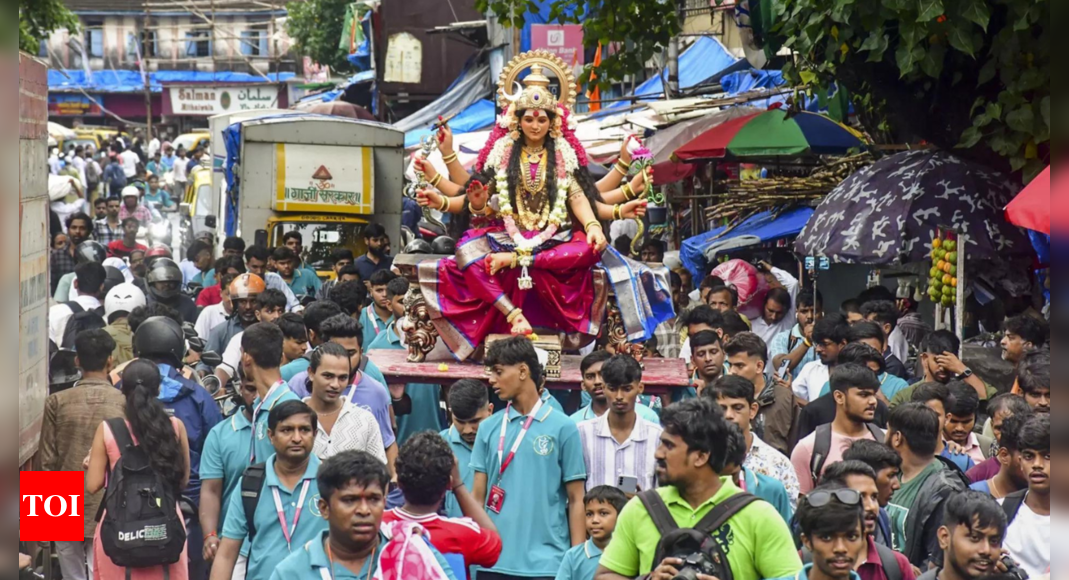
(941, 365)
(916, 509)
(692, 455)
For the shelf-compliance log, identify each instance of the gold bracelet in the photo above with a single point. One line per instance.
(445, 204)
(616, 212)
(621, 171)
(623, 167)
(484, 210)
(516, 313)
(629, 193)
(515, 260)
(437, 179)
(449, 158)
(591, 224)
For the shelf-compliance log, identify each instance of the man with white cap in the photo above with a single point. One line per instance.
(118, 304)
(131, 206)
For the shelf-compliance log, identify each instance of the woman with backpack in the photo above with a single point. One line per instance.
(148, 453)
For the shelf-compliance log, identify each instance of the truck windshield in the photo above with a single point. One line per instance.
(320, 239)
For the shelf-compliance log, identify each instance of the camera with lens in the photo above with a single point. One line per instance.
(1013, 569)
(699, 552)
(694, 564)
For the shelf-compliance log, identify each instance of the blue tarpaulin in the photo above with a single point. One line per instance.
(702, 61)
(761, 226)
(478, 115)
(130, 81)
(751, 80)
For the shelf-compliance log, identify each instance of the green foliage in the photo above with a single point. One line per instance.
(934, 57)
(641, 28)
(39, 18)
(316, 29)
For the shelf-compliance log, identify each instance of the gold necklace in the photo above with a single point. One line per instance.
(537, 184)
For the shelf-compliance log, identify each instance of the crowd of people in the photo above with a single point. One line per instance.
(806, 445)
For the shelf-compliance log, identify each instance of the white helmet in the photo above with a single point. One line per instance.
(131, 191)
(123, 298)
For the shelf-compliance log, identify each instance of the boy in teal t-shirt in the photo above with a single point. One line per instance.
(603, 504)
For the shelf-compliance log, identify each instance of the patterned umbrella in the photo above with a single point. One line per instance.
(889, 212)
(772, 133)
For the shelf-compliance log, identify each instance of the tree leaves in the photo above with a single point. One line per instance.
(929, 10)
(970, 138)
(908, 59)
(960, 37)
(1044, 108)
(978, 12)
(1022, 119)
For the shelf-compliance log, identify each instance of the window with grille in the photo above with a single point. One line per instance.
(198, 44)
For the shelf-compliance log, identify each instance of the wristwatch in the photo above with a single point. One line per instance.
(964, 375)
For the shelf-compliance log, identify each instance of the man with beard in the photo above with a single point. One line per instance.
(941, 365)
(1028, 511)
(594, 391)
(690, 459)
(796, 344)
(1035, 382)
(289, 475)
(1022, 335)
(854, 388)
(79, 229)
(469, 405)
(707, 359)
(244, 290)
(829, 337)
(887, 466)
(352, 488)
(999, 409)
(832, 533)
(1010, 478)
(881, 563)
(748, 356)
(377, 257)
(109, 226)
(971, 537)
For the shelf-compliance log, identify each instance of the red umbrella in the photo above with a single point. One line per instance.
(1031, 208)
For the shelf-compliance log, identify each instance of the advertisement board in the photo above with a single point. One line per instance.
(67, 105)
(208, 101)
(324, 178)
(563, 40)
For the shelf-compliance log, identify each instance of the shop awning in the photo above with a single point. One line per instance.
(699, 251)
(702, 61)
(473, 86)
(130, 81)
(478, 115)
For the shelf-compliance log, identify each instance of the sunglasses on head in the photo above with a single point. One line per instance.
(819, 499)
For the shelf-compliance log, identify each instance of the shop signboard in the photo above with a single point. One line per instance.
(563, 40)
(72, 105)
(206, 101)
(324, 179)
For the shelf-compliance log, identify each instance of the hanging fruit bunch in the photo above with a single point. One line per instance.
(943, 281)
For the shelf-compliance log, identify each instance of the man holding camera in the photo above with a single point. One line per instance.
(752, 537)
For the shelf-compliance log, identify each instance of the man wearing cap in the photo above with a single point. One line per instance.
(131, 206)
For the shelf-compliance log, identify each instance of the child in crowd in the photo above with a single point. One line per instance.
(603, 505)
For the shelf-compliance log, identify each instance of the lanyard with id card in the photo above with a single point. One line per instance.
(496, 499)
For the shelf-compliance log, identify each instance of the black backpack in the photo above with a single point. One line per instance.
(887, 560)
(822, 447)
(701, 535)
(141, 527)
(1012, 503)
(252, 485)
(80, 321)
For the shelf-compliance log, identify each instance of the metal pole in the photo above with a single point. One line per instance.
(959, 303)
(145, 74)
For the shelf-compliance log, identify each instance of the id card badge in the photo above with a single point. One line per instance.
(496, 500)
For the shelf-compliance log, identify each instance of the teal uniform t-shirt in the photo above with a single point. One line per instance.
(426, 412)
(770, 490)
(303, 283)
(269, 547)
(462, 451)
(226, 455)
(580, 563)
(374, 326)
(533, 522)
(310, 562)
(261, 443)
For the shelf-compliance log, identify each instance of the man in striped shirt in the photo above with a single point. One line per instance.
(620, 444)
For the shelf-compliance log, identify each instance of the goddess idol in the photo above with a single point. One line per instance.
(534, 253)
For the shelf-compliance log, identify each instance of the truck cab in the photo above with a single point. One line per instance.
(325, 177)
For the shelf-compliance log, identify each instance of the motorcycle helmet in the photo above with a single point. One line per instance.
(444, 245)
(155, 253)
(90, 252)
(246, 286)
(131, 191)
(160, 337)
(164, 270)
(113, 278)
(123, 299)
(418, 246)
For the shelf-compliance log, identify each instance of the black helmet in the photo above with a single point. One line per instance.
(444, 245)
(164, 270)
(418, 246)
(90, 252)
(160, 337)
(113, 279)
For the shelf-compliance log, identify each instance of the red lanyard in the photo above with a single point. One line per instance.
(255, 415)
(515, 446)
(288, 531)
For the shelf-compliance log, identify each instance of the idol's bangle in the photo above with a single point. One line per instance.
(515, 260)
(445, 204)
(592, 224)
(516, 313)
(449, 158)
(622, 167)
(437, 179)
(616, 212)
(629, 193)
(482, 211)
(620, 170)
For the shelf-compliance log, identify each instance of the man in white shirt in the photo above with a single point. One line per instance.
(342, 426)
(620, 444)
(216, 314)
(129, 161)
(777, 314)
(78, 161)
(1028, 534)
(830, 335)
(89, 281)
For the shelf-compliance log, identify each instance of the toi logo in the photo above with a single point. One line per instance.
(52, 506)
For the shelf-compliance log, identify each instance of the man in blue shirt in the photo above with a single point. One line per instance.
(369, 391)
(832, 524)
(469, 403)
(301, 282)
(287, 511)
(261, 353)
(377, 257)
(353, 487)
(378, 316)
(541, 465)
(225, 457)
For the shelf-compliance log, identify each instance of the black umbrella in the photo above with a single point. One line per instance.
(890, 211)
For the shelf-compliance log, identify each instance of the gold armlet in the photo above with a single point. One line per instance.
(616, 212)
(445, 204)
(449, 158)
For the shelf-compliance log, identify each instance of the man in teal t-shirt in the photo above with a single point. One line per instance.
(536, 502)
(469, 403)
(353, 486)
(289, 482)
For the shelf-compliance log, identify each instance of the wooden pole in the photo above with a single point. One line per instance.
(146, 74)
(959, 304)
